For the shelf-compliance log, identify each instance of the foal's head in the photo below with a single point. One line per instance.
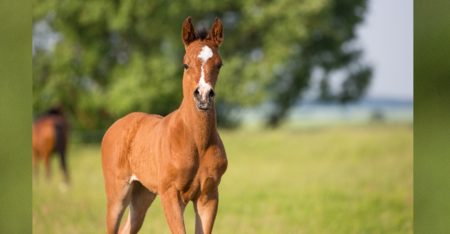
(202, 63)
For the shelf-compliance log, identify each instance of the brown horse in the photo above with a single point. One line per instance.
(179, 157)
(50, 132)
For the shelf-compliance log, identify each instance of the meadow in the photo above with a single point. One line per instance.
(340, 179)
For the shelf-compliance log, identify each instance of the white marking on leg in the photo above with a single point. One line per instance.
(133, 178)
(204, 55)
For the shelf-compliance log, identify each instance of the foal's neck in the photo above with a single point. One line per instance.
(201, 124)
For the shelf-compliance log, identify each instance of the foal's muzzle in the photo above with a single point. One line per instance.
(204, 98)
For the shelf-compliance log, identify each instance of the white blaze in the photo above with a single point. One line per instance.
(205, 54)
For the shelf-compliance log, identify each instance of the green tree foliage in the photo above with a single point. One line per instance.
(114, 57)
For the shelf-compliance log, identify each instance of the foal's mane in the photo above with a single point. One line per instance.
(54, 111)
(202, 34)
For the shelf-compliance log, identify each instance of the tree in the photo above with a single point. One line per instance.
(114, 57)
(327, 49)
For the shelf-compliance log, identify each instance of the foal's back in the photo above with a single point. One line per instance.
(119, 138)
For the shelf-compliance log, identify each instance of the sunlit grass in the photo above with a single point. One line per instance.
(348, 179)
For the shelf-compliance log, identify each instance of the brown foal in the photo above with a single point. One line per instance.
(179, 157)
(50, 135)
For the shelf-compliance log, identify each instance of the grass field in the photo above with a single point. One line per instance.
(344, 179)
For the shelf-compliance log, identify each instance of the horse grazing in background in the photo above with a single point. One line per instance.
(50, 133)
(179, 157)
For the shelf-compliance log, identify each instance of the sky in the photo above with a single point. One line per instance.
(387, 39)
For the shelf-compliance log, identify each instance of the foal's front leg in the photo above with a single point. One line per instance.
(173, 209)
(206, 209)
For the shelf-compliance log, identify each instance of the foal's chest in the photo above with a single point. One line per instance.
(206, 174)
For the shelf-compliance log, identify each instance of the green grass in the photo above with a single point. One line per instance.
(347, 179)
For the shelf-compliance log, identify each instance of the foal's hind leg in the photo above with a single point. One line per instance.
(141, 199)
(118, 198)
(63, 161)
(35, 165)
(48, 172)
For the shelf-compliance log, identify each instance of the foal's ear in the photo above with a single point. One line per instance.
(216, 32)
(188, 32)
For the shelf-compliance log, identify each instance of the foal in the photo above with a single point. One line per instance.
(49, 135)
(179, 157)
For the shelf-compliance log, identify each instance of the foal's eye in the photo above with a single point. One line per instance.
(185, 66)
(219, 65)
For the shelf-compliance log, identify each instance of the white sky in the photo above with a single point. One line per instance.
(387, 39)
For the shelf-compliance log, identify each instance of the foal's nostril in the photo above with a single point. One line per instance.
(196, 92)
(211, 93)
